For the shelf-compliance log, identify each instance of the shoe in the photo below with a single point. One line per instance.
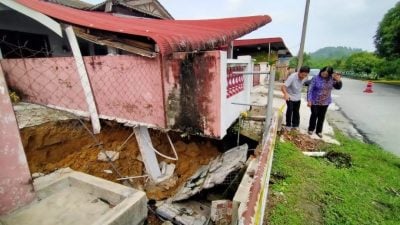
(309, 132)
(295, 128)
(319, 135)
(287, 128)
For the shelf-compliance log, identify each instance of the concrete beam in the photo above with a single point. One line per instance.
(39, 17)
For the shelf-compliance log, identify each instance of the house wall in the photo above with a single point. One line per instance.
(190, 94)
(193, 92)
(14, 21)
(16, 188)
(126, 88)
(196, 92)
(232, 107)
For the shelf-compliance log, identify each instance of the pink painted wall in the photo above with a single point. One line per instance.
(47, 81)
(193, 92)
(16, 188)
(127, 87)
(124, 87)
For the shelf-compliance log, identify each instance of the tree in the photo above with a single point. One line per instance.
(387, 38)
(306, 61)
(363, 62)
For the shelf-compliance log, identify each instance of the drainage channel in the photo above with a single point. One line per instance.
(212, 181)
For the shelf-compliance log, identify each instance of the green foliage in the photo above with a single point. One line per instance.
(316, 191)
(354, 62)
(328, 56)
(387, 38)
(390, 69)
(294, 61)
(362, 62)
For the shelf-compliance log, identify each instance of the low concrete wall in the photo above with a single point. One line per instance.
(125, 88)
(251, 198)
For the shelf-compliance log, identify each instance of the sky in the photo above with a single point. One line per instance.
(331, 23)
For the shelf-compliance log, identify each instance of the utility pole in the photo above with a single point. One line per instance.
(303, 36)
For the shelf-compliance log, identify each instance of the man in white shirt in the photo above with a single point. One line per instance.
(292, 94)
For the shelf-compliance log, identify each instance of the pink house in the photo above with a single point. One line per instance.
(163, 73)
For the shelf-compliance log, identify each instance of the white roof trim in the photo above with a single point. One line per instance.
(39, 17)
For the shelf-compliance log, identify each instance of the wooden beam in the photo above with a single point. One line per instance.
(139, 2)
(132, 46)
(73, 42)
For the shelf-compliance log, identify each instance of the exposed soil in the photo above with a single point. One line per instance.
(55, 145)
(302, 141)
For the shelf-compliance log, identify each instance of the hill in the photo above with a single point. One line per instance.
(334, 52)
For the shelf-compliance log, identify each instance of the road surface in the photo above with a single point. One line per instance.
(376, 115)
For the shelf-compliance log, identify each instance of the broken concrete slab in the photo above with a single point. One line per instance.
(29, 115)
(167, 171)
(67, 196)
(193, 186)
(214, 173)
(184, 213)
(228, 162)
(107, 156)
(221, 212)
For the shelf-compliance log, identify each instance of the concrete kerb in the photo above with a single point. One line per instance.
(256, 199)
(252, 210)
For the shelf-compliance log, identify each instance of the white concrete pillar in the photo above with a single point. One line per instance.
(84, 78)
(16, 189)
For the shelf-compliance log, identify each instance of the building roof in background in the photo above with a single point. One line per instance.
(72, 3)
(150, 7)
(170, 35)
(253, 45)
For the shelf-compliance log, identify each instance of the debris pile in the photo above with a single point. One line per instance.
(302, 141)
(61, 144)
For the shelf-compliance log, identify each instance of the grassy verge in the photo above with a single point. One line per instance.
(317, 191)
(393, 82)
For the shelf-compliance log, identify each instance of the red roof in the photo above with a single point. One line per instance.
(246, 42)
(170, 35)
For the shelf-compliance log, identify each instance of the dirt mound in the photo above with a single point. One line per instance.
(340, 159)
(302, 141)
(68, 144)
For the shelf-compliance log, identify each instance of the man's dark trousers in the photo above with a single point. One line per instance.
(292, 113)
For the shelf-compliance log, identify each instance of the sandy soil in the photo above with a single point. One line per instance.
(62, 144)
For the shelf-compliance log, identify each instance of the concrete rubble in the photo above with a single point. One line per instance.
(221, 212)
(214, 173)
(106, 156)
(208, 176)
(29, 115)
(187, 213)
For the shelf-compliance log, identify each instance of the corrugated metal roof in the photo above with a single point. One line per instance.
(276, 44)
(170, 35)
(259, 41)
(164, 14)
(72, 3)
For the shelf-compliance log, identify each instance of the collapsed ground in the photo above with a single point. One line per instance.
(55, 145)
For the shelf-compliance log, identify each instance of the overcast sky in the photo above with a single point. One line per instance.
(349, 23)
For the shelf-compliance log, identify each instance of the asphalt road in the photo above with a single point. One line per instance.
(376, 115)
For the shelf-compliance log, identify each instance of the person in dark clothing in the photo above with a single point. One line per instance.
(319, 97)
(292, 94)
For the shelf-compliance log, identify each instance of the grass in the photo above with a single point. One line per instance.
(307, 190)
